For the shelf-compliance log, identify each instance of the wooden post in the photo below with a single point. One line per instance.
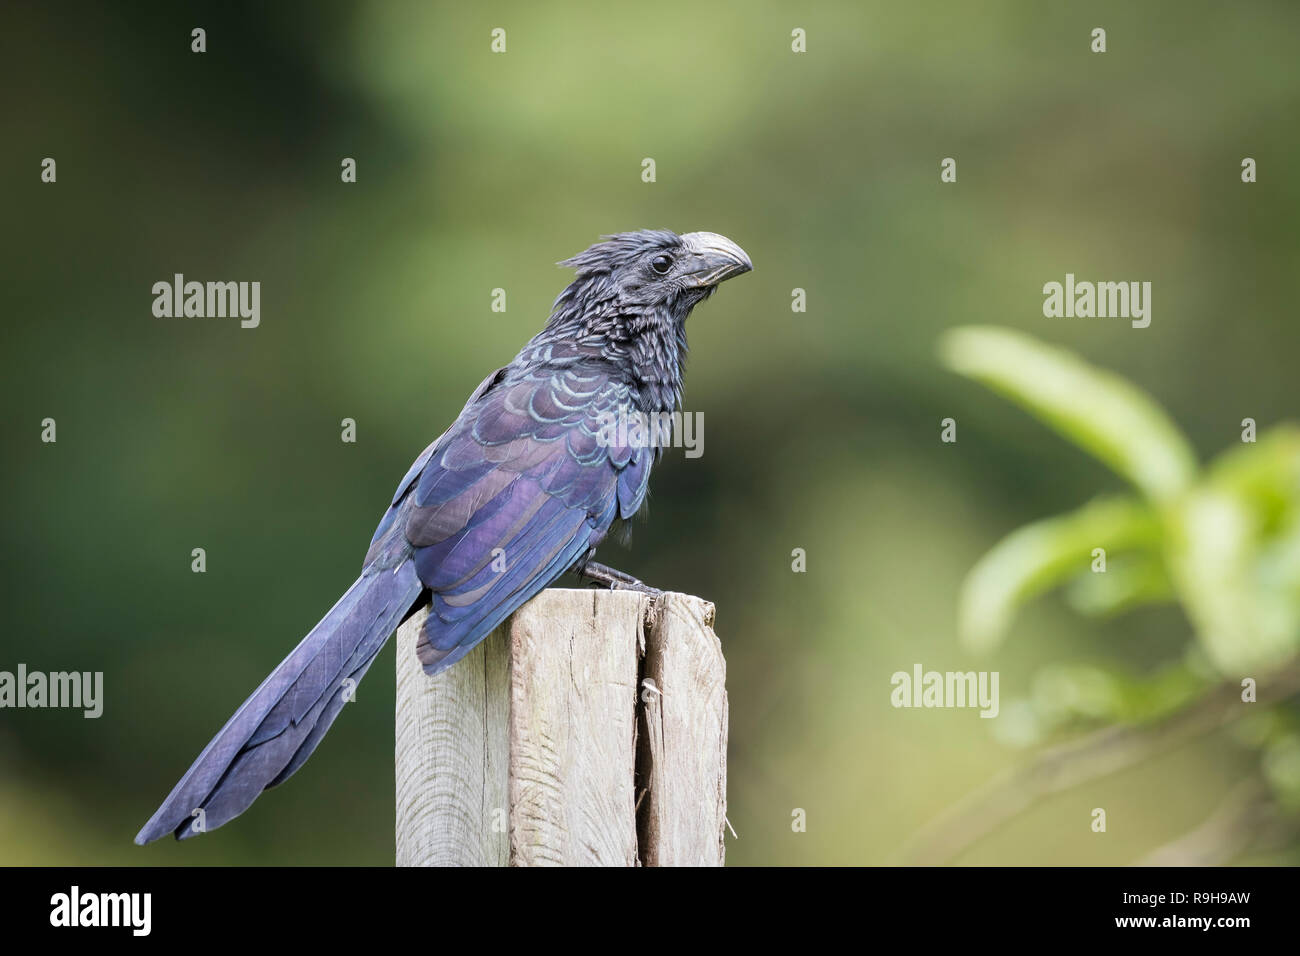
(589, 729)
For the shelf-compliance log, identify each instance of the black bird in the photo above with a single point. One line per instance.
(529, 468)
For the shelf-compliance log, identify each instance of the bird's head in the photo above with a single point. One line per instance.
(652, 272)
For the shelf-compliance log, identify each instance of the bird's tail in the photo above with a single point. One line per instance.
(281, 723)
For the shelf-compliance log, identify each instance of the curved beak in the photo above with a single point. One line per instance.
(712, 259)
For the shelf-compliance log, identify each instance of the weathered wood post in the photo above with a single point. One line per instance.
(589, 729)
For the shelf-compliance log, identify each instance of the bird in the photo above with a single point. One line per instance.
(523, 487)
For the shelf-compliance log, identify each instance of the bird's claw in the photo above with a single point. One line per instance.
(614, 579)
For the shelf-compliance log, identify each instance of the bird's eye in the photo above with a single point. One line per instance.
(661, 264)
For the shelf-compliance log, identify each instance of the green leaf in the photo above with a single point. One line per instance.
(1240, 585)
(1265, 474)
(1039, 556)
(1100, 412)
(1065, 691)
(1130, 581)
(1235, 554)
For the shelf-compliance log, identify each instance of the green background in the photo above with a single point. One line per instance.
(478, 171)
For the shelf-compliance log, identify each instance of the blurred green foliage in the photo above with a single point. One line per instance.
(1223, 544)
(478, 171)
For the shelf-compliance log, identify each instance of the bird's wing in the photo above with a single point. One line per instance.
(526, 482)
(379, 538)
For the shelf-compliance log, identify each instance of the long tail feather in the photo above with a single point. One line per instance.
(281, 722)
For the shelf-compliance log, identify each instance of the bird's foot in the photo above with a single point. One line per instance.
(614, 579)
